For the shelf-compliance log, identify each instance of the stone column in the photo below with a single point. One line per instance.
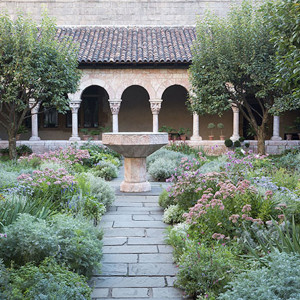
(34, 121)
(276, 136)
(196, 136)
(74, 105)
(236, 120)
(115, 108)
(155, 106)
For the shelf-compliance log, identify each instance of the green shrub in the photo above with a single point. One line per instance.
(23, 149)
(282, 178)
(279, 280)
(48, 281)
(166, 154)
(79, 244)
(72, 241)
(98, 153)
(106, 170)
(4, 281)
(228, 143)
(28, 240)
(205, 270)
(237, 144)
(164, 200)
(289, 161)
(177, 237)
(162, 168)
(86, 205)
(173, 215)
(100, 189)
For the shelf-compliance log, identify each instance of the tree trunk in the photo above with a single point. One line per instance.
(12, 145)
(261, 149)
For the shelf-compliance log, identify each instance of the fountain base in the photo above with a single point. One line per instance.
(135, 147)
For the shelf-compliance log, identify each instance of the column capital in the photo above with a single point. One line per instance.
(74, 105)
(155, 105)
(115, 105)
(34, 105)
(234, 108)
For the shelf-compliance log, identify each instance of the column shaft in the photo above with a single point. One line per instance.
(236, 120)
(115, 124)
(276, 127)
(34, 122)
(196, 136)
(74, 105)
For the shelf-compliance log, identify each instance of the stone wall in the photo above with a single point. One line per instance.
(119, 12)
(209, 147)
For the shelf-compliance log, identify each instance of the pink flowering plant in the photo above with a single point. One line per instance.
(70, 156)
(221, 213)
(188, 184)
(58, 185)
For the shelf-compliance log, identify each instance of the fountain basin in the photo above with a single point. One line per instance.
(135, 147)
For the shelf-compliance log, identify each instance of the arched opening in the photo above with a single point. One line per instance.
(174, 112)
(135, 113)
(94, 109)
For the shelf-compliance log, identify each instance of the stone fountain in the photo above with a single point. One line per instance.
(135, 147)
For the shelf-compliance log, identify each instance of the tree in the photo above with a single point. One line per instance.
(283, 17)
(34, 66)
(233, 64)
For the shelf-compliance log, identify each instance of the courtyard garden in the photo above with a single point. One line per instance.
(235, 222)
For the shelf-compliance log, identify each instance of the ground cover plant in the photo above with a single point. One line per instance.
(234, 221)
(49, 206)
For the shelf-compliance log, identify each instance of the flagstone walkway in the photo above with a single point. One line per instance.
(137, 263)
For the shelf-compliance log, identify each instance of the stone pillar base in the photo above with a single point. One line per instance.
(135, 187)
(35, 138)
(74, 138)
(276, 138)
(135, 179)
(196, 138)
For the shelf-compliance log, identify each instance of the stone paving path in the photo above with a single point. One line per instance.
(137, 263)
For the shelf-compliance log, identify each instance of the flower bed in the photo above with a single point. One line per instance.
(49, 205)
(230, 220)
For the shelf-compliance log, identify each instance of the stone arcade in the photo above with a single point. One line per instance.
(134, 56)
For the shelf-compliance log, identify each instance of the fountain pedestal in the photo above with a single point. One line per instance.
(135, 147)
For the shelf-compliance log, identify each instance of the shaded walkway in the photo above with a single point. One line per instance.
(137, 263)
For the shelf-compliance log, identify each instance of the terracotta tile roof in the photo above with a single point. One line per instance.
(126, 45)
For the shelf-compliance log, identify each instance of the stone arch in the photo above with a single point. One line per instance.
(174, 112)
(94, 111)
(84, 84)
(136, 82)
(135, 113)
(171, 82)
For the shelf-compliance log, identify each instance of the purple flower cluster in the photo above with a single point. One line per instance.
(48, 178)
(69, 155)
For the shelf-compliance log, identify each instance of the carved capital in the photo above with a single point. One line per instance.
(234, 108)
(155, 106)
(115, 106)
(34, 106)
(74, 105)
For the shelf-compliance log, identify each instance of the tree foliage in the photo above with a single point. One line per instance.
(233, 64)
(34, 66)
(283, 17)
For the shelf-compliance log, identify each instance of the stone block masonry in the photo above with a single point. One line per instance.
(119, 12)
